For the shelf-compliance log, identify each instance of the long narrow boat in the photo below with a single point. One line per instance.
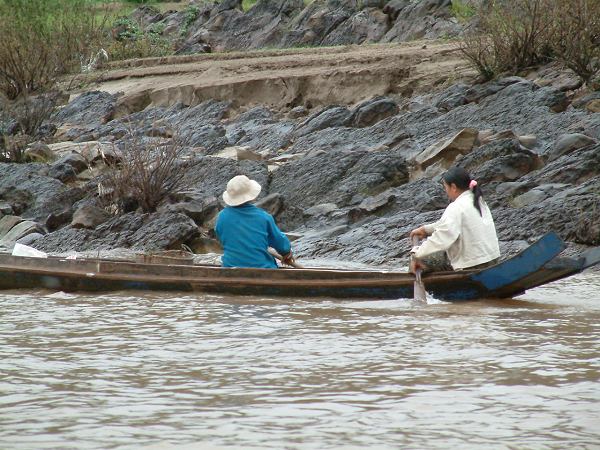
(537, 265)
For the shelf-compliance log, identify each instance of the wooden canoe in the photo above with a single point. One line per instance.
(535, 266)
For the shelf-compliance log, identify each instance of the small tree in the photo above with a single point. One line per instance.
(42, 39)
(575, 37)
(477, 49)
(512, 35)
(143, 174)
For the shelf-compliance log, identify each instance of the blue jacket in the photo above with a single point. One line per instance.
(245, 232)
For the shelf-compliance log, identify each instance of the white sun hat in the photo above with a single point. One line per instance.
(241, 189)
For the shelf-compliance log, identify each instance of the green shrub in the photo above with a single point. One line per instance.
(130, 41)
(463, 10)
(146, 2)
(247, 4)
(146, 47)
(191, 14)
(124, 28)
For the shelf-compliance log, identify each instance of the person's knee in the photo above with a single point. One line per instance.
(436, 262)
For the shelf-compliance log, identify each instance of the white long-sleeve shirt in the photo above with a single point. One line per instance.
(468, 238)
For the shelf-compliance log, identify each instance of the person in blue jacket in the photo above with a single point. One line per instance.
(247, 231)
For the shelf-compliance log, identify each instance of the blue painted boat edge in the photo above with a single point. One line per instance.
(525, 263)
(590, 258)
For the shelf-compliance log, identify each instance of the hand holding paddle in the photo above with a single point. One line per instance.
(419, 233)
(288, 259)
(416, 267)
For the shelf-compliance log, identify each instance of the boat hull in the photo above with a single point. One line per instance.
(534, 266)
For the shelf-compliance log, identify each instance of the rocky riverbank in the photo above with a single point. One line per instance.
(224, 26)
(348, 179)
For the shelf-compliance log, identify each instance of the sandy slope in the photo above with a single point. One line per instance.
(286, 78)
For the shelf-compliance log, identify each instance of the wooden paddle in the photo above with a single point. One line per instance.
(419, 292)
(276, 255)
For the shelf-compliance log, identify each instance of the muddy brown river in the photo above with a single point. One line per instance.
(134, 370)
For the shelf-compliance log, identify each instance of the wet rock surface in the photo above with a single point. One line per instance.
(144, 232)
(90, 107)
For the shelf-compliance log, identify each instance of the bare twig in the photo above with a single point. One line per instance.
(144, 174)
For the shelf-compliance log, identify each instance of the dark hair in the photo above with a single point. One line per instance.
(461, 178)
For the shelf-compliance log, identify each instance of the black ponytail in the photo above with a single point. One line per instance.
(477, 198)
(461, 178)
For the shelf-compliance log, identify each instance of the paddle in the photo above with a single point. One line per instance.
(419, 293)
(276, 255)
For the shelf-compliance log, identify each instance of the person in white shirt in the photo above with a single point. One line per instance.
(465, 235)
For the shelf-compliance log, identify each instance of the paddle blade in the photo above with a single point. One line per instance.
(419, 288)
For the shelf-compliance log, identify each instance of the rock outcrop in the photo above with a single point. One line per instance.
(289, 23)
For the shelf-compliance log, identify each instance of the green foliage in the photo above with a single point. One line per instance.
(190, 16)
(146, 2)
(145, 47)
(126, 29)
(463, 10)
(156, 28)
(247, 4)
(132, 42)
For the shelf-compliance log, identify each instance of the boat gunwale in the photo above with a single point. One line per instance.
(451, 285)
(392, 279)
(129, 263)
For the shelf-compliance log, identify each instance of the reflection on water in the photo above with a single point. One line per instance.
(163, 371)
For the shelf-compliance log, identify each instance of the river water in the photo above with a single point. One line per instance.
(171, 371)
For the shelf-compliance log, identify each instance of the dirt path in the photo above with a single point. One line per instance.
(287, 78)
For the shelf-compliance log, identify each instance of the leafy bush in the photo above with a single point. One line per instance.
(130, 41)
(145, 47)
(462, 10)
(191, 14)
(147, 2)
(247, 4)
(125, 28)
(42, 39)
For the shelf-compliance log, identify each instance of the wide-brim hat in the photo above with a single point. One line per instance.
(241, 189)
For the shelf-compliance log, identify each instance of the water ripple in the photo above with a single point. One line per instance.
(162, 371)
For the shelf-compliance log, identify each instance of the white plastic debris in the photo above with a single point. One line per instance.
(25, 250)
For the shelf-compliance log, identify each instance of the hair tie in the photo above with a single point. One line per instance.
(472, 184)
